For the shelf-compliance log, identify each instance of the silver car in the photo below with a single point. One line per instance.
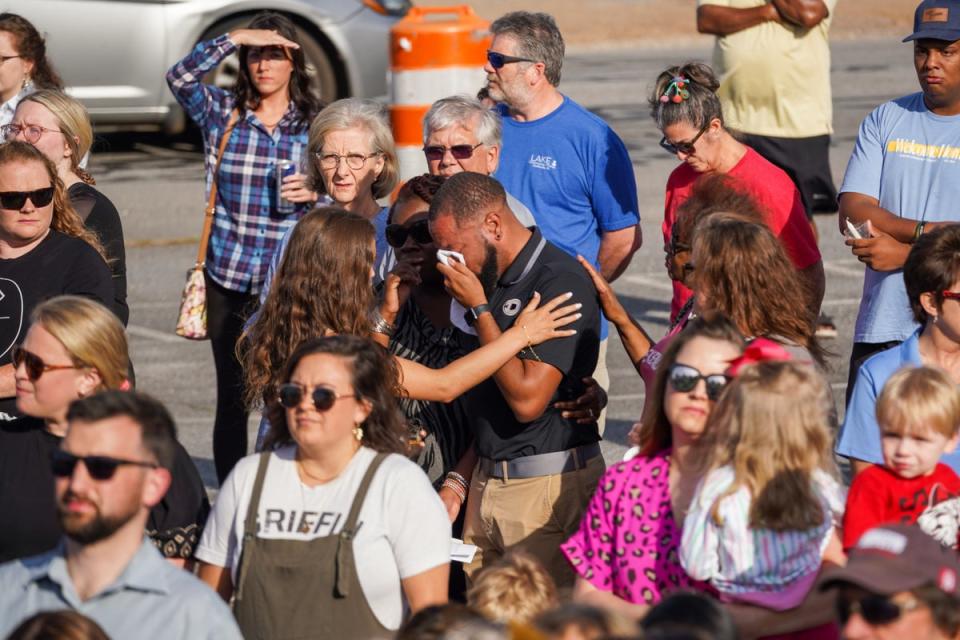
(112, 54)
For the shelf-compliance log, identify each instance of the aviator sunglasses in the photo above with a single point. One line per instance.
(34, 364)
(62, 463)
(16, 199)
(683, 379)
(458, 151)
(291, 394)
(874, 609)
(397, 233)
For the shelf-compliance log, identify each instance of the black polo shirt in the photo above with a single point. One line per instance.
(544, 268)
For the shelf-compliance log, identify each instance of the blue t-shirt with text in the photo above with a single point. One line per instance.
(909, 159)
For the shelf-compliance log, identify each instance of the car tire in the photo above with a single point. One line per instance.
(323, 75)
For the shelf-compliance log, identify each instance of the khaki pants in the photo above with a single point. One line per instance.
(533, 514)
(602, 375)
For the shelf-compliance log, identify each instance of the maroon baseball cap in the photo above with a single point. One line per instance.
(936, 20)
(895, 558)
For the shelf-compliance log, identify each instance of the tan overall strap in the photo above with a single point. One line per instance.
(212, 201)
(250, 523)
(345, 563)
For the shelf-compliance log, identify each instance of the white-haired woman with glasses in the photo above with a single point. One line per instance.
(75, 347)
(685, 107)
(352, 159)
(44, 251)
(59, 126)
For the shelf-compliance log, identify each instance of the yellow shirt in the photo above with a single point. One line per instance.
(775, 77)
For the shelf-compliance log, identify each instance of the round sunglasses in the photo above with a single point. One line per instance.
(458, 151)
(684, 378)
(291, 395)
(34, 364)
(397, 234)
(63, 463)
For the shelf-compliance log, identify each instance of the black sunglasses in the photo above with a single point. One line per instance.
(684, 378)
(34, 364)
(458, 151)
(874, 609)
(686, 148)
(62, 463)
(291, 394)
(497, 60)
(397, 233)
(16, 199)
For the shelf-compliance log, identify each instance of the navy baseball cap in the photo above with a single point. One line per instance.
(936, 20)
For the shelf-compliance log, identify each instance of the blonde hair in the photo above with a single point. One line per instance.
(347, 114)
(922, 397)
(773, 426)
(515, 589)
(73, 121)
(90, 333)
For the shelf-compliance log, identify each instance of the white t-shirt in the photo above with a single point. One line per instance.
(405, 529)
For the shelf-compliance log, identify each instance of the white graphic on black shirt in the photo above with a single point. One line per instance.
(11, 314)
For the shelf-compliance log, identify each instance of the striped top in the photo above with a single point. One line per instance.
(740, 561)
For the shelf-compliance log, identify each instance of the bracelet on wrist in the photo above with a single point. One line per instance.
(453, 475)
(918, 230)
(380, 325)
(457, 491)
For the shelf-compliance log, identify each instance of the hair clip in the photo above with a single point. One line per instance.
(676, 91)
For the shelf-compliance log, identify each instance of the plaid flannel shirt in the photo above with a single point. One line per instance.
(248, 222)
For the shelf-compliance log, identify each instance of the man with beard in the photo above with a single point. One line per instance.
(111, 468)
(536, 469)
(566, 164)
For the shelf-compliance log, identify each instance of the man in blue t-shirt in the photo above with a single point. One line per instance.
(904, 178)
(566, 164)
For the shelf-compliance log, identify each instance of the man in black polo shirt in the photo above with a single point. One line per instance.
(537, 470)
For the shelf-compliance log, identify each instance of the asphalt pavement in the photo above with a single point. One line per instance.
(157, 185)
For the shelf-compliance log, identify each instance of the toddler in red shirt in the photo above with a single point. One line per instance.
(919, 414)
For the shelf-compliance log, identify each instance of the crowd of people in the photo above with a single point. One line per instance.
(429, 358)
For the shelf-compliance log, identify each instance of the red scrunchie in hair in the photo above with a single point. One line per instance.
(759, 350)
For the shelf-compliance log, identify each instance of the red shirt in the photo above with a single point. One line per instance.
(879, 496)
(777, 196)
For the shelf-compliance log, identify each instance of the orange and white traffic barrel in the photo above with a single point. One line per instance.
(435, 52)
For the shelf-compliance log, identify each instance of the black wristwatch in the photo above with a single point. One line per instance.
(473, 313)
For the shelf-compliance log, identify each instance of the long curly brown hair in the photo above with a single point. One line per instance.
(742, 271)
(375, 376)
(65, 218)
(322, 286)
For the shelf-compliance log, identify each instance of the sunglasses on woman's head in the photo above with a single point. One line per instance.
(63, 463)
(397, 233)
(458, 151)
(14, 200)
(874, 609)
(684, 378)
(34, 364)
(291, 395)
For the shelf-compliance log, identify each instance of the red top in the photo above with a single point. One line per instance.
(879, 496)
(777, 196)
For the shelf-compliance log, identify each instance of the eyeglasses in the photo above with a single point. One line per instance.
(684, 378)
(31, 132)
(950, 295)
(874, 609)
(14, 200)
(34, 365)
(419, 231)
(497, 60)
(291, 395)
(686, 148)
(63, 463)
(354, 160)
(458, 151)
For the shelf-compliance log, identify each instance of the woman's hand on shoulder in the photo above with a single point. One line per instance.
(260, 38)
(542, 323)
(608, 299)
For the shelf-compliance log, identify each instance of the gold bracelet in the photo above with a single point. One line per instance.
(530, 343)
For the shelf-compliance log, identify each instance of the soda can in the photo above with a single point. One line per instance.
(284, 168)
